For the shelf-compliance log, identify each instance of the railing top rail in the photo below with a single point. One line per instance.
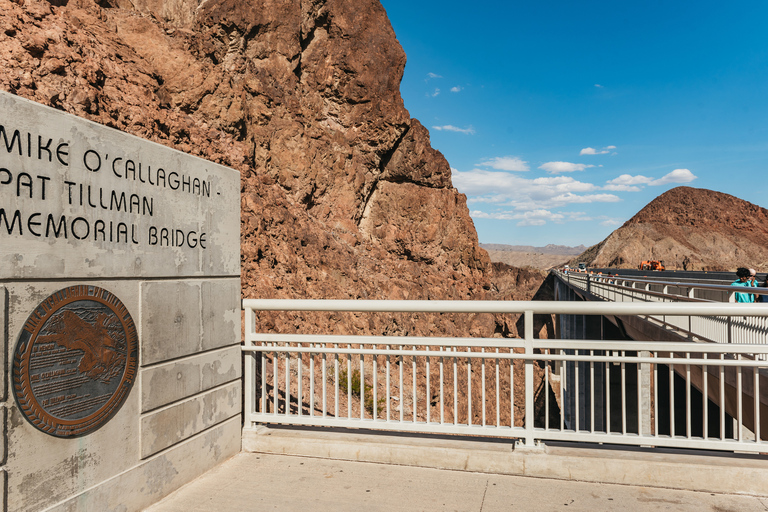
(682, 284)
(490, 306)
(492, 343)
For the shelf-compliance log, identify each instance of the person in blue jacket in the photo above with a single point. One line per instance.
(743, 275)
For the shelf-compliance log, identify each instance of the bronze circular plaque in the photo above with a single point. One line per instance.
(75, 361)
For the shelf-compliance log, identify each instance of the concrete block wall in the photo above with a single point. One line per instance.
(182, 415)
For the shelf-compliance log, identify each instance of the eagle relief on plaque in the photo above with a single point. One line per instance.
(75, 361)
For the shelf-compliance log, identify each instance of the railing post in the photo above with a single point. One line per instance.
(529, 388)
(588, 284)
(249, 370)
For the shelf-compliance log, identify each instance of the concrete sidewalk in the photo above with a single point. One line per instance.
(257, 481)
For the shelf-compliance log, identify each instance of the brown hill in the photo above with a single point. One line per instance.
(689, 229)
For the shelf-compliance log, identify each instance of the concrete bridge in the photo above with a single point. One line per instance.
(727, 389)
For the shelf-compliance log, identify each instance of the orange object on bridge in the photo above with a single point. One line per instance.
(652, 265)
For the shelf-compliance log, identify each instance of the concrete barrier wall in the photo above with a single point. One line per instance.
(87, 211)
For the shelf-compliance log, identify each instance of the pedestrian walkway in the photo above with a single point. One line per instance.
(255, 481)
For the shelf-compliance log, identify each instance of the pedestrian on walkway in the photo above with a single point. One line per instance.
(743, 280)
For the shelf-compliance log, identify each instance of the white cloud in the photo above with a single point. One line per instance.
(507, 163)
(599, 86)
(433, 75)
(622, 188)
(507, 195)
(436, 92)
(593, 151)
(450, 128)
(676, 176)
(611, 222)
(530, 218)
(558, 167)
(629, 183)
(508, 188)
(456, 89)
(627, 179)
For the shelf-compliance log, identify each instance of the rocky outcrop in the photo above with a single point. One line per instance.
(342, 194)
(689, 229)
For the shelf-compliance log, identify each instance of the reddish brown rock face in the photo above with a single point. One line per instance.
(342, 194)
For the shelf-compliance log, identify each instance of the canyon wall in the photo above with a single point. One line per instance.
(342, 195)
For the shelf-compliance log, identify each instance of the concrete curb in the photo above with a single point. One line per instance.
(685, 470)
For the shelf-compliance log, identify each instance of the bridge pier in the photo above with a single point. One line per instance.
(593, 396)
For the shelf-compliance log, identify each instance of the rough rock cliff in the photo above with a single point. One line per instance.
(342, 194)
(689, 229)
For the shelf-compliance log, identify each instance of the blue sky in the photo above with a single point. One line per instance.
(562, 119)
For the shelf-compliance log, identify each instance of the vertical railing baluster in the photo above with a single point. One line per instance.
(656, 408)
(672, 397)
(469, 388)
(688, 405)
(608, 367)
(275, 375)
(739, 400)
(402, 404)
(442, 385)
(705, 398)
(529, 390)
(592, 393)
(287, 383)
(623, 394)
(511, 389)
(546, 391)
(498, 391)
(576, 393)
(455, 389)
(756, 393)
(311, 381)
(325, 384)
(639, 386)
(375, 385)
(722, 400)
(429, 393)
(264, 397)
(482, 389)
(389, 392)
(300, 378)
(413, 389)
(362, 385)
(336, 383)
(349, 383)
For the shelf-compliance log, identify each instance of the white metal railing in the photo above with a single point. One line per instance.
(653, 287)
(716, 329)
(625, 392)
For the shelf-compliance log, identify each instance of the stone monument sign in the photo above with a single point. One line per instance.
(119, 313)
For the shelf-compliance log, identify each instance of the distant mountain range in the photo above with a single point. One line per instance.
(557, 250)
